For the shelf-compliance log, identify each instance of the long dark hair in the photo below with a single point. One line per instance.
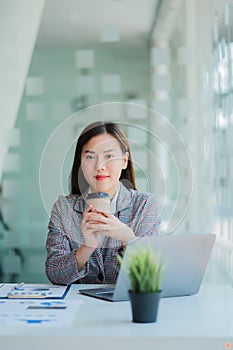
(78, 183)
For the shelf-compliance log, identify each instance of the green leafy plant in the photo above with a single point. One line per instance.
(145, 270)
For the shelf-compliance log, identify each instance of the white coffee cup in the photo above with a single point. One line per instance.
(99, 200)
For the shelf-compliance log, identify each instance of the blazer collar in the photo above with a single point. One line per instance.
(123, 200)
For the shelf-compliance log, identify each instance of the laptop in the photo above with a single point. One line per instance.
(185, 256)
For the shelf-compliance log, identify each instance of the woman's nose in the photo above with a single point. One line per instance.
(100, 164)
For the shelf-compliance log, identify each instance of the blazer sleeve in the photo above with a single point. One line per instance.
(147, 218)
(61, 265)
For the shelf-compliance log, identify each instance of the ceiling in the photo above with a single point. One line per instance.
(82, 23)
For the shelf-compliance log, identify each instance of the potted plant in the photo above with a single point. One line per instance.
(145, 271)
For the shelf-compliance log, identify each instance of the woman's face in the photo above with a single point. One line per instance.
(102, 161)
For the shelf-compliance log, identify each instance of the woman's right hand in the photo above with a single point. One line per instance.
(91, 237)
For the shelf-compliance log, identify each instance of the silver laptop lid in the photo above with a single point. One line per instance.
(185, 256)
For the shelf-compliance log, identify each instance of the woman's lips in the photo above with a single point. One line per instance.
(101, 177)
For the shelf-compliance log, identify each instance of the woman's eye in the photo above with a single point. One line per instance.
(110, 156)
(89, 157)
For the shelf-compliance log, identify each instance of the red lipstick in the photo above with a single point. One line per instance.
(101, 177)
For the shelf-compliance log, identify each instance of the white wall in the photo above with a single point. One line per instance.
(19, 23)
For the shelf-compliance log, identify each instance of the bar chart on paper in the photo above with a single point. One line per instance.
(33, 291)
(55, 313)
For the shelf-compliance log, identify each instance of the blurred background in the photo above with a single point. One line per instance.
(161, 68)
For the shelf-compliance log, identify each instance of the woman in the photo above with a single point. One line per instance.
(75, 249)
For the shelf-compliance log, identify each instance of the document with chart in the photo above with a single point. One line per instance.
(32, 291)
(34, 313)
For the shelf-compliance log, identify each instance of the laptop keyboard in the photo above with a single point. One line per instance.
(105, 291)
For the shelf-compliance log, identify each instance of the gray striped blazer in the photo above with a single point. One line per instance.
(136, 209)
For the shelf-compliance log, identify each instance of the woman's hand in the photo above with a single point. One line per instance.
(105, 224)
(89, 230)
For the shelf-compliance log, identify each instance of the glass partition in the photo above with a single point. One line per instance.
(168, 80)
(81, 67)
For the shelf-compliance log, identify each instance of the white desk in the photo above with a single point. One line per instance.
(203, 321)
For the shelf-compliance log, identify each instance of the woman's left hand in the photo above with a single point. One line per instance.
(108, 225)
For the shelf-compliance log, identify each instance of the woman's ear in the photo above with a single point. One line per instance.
(125, 160)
